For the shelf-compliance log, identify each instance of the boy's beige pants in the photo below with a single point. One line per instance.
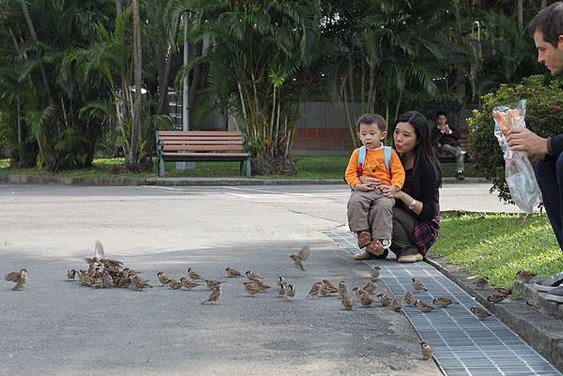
(371, 211)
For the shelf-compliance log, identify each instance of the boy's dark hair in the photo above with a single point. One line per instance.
(549, 22)
(372, 119)
(441, 113)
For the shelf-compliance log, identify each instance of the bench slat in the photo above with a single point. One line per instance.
(210, 147)
(206, 155)
(199, 133)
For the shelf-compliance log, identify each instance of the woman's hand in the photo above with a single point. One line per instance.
(388, 190)
(364, 187)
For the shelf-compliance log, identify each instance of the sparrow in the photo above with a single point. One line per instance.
(347, 301)
(370, 286)
(72, 274)
(397, 304)
(213, 296)
(163, 278)
(423, 306)
(140, 283)
(98, 250)
(252, 276)
(442, 301)
(301, 257)
(175, 284)
(375, 272)
(525, 276)
(122, 278)
(282, 286)
(328, 286)
(232, 272)
(250, 288)
(426, 350)
(290, 291)
(482, 282)
(417, 285)
(503, 291)
(261, 286)
(385, 299)
(342, 288)
(212, 283)
(409, 298)
(496, 297)
(193, 274)
(315, 290)
(480, 312)
(189, 283)
(20, 278)
(363, 296)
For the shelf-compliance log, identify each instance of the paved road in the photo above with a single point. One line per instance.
(56, 327)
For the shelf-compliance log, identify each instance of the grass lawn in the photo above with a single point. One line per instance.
(498, 245)
(308, 167)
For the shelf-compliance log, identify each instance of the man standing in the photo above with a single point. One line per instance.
(446, 140)
(547, 31)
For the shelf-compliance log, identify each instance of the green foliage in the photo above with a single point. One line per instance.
(498, 245)
(543, 116)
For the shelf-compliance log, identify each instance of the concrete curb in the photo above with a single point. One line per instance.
(195, 181)
(544, 332)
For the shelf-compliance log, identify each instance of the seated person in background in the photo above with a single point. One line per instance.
(446, 140)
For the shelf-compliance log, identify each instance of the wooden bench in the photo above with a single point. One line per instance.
(198, 146)
(463, 141)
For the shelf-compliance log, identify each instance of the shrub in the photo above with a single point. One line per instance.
(544, 116)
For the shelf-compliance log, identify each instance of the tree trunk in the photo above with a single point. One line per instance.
(163, 81)
(134, 152)
(31, 29)
(520, 15)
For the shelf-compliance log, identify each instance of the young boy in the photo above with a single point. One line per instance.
(370, 213)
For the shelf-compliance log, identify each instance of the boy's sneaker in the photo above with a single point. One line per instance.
(364, 239)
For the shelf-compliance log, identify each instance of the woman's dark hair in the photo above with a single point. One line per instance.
(549, 22)
(423, 151)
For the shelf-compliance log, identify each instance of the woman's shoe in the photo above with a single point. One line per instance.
(409, 255)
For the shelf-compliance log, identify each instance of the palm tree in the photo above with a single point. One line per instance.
(256, 53)
(133, 161)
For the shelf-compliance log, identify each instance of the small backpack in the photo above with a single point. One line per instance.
(362, 159)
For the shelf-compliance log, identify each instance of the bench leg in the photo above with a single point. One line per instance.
(248, 168)
(161, 169)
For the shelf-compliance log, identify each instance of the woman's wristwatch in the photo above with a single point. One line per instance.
(412, 204)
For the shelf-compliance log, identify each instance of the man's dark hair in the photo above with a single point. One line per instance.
(441, 113)
(372, 119)
(549, 22)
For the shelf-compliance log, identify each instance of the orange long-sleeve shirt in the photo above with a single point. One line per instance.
(374, 166)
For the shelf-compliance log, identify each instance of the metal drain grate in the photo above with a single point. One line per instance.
(462, 344)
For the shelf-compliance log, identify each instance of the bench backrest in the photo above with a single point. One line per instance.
(201, 141)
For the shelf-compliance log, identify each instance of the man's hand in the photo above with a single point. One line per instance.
(522, 139)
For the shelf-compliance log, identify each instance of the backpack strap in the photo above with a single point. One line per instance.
(361, 160)
(387, 156)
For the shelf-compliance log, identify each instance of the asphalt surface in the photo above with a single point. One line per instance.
(58, 327)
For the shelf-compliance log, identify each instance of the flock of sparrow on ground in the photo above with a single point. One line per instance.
(103, 272)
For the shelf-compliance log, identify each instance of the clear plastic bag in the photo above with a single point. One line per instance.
(519, 172)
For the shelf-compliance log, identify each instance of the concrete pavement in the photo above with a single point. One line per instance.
(56, 327)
